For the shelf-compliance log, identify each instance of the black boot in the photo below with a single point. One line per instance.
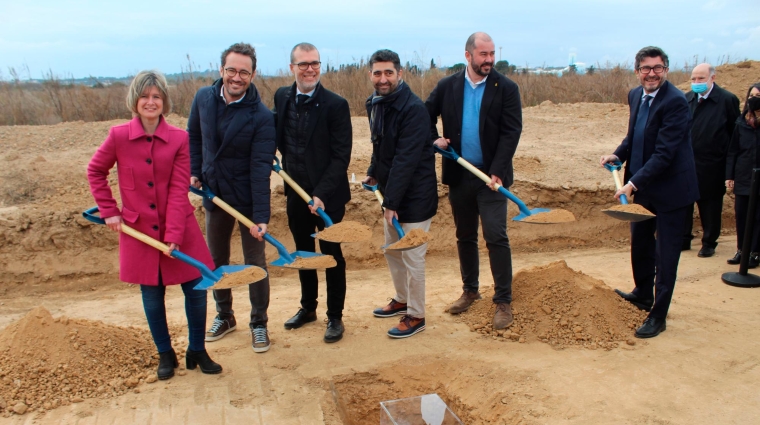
(201, 358)
(754, 260)
(167, 361)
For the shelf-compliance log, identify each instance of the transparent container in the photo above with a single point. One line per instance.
(427, 409)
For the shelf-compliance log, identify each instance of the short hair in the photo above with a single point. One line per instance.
(470, 44)
(241, 49)
(385, 55)
(711, 71)
(144, 80)
(651, 52)
(306, 47)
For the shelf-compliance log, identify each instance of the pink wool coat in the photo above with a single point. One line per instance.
(153, 174)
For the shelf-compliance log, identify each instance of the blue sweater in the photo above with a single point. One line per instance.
(471, 150)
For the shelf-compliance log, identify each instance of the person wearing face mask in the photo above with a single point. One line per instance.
(714, 111)
(743, 156)
(314, 138)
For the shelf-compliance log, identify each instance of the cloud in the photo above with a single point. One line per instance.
(697, 40)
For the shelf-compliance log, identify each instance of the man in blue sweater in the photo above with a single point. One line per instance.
(482, 121)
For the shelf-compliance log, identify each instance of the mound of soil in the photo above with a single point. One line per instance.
(559, 306)
(47, 362)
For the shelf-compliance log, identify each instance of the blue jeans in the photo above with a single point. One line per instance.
(155, 312)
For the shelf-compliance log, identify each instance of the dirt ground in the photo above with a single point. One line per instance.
(569, 358)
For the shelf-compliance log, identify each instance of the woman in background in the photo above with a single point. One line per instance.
(153, 170)
(743, 156)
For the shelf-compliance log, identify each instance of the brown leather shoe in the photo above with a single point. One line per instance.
(502, 319)
(464, 302)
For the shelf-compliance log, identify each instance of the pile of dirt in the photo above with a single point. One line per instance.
(246, 276)
(47, 362)
(412, 239)
(313, 263)
(347, 231)
(559, 306)
(551, 216)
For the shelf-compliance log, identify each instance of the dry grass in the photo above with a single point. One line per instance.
(55, 101)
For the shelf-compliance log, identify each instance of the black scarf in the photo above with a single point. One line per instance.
(377, 113)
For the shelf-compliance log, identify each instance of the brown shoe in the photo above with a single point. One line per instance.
(464, 302)
(502, 319)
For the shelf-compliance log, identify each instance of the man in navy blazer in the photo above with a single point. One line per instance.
(661, 176)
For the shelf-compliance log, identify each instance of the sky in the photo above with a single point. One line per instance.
(81, 38)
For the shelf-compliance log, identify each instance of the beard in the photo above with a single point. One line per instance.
(307, 86)
(479, 68)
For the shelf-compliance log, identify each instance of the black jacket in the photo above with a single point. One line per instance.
(403, 161)
(712, 125)
(668, 178)
(237, 167)
(500, 123)
(742, 156)
(328, 143)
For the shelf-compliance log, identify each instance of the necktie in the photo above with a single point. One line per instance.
(637, 148)
(700, 99)
(301, 98)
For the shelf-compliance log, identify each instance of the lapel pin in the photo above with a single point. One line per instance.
(496, 85)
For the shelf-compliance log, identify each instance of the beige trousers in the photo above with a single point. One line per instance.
(408, 269)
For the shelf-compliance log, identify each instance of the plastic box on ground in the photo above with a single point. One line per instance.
(427, 409)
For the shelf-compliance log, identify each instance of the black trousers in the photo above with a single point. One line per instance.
(741, 210)
(710, 212)
(302, 225)
(471, 200)
(219, 228)
(655, 259)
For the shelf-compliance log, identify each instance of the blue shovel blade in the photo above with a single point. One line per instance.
(534, 211)
(282, 262)
(218, 274)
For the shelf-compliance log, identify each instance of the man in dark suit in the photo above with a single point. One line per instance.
(314, 138)
(660, 174)
(482, 121)
(714, 111)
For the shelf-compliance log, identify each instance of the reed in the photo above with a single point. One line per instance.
(56, 100)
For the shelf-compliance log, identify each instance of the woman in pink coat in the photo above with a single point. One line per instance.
(153, 169)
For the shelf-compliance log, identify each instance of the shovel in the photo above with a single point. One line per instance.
(346, 231)
(625, 211)
(535, 215)
(396, 224)
(210, 278)
(301, 260)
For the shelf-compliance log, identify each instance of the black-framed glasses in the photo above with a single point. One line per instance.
(231, 72)
(658, 69)
(303, 66)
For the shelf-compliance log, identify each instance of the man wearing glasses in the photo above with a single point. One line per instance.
(661, 176)
(314, 138)
(231, 152)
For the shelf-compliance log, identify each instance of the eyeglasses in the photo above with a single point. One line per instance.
(303, 66)
(231, 72)
(658, 69)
